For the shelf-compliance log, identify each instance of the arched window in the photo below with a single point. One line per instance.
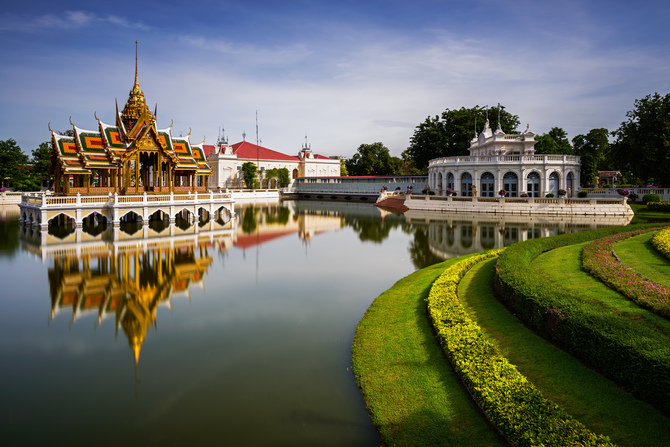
(450, 181)
(533, 184)
(466, 184)
(553, 183)
(487, 185)
(511, 184)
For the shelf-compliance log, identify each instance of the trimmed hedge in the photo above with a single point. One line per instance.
(633, 353)
(513, 404)
(659, 206)
(650, 198)
(661, 242)
(599, 260)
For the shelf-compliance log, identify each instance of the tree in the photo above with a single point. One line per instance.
(592, 148)
(12, 165)
(371, 159)
(283, 177)
(451, 133)
(343, 168)
(249, 174)
(40, 161)
(642, 143)
(554, 142)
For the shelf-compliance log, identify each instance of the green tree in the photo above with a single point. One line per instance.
(249, 174)
(41, 161)
(343, 168)
(283, 177)
(554, 142)
(12, 165)
(450, 134)
(592, 148)
(642, 143)
(371, 159)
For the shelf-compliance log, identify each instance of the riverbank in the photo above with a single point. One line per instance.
(394, 361)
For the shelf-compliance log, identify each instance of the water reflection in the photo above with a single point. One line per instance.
(450, 235)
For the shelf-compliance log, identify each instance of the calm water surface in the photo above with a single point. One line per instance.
(235, 334)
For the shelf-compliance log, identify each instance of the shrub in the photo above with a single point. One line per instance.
(647, 198)
(550, 195)
(633, 197)
(623, 192)
(661, 242)
(582, 194)
(629, 351)
(562, 192)
(658, 206)
(518, 409)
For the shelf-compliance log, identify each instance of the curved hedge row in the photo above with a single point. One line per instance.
(661, 242)
(514, 405)
(599, 260)
(635, 355)
(658, 206)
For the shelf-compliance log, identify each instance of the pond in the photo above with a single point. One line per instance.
(178, 334)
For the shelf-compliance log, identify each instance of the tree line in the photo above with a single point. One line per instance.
(640, 149)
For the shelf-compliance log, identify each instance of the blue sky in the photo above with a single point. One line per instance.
(341, 72)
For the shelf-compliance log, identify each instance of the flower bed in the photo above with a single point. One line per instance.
(518, 409)
(599, 260)
(661, 242)
(627, 349)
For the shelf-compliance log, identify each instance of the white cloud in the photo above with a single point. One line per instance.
(69, 20)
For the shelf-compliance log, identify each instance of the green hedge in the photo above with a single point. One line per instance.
(658, 206)
(633, 353)
(650, 198)
(518, 409)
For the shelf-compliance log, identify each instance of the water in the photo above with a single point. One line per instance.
(238, 335)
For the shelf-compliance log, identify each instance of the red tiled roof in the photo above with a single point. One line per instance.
(208, 148)
(321, 157)
(250, 151)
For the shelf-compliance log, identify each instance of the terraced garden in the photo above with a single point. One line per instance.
(556, 341)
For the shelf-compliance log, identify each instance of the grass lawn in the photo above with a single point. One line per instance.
(638, 254)
(586, 395)
(412, 394)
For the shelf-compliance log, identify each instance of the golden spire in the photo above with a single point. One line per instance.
(136, 104)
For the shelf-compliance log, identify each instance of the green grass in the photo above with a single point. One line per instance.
(412, 394)
(586, 395)
(638, 254)
(563, 267)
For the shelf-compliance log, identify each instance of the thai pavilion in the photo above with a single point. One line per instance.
(131, 157)
(500, 161)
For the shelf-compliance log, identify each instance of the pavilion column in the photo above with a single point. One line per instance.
(137, 172)
(87, 179)
(160, 172)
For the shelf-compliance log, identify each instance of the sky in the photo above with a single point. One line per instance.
(335, 74)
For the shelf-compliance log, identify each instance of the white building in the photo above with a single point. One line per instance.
(500, 161)
(226, 162)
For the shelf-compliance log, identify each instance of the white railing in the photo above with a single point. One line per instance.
(505, 159)
(613, 192)
(41, 201)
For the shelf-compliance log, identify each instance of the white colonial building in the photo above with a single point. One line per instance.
(500, 161)
(227, 160)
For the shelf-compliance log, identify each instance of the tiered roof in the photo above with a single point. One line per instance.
(110, 146)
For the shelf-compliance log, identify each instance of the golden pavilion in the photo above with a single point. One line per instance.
(131, 157)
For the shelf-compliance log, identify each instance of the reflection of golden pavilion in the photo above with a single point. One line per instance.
(131, 157)
(130, 285)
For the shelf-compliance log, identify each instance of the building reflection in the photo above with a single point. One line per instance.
(458, 234)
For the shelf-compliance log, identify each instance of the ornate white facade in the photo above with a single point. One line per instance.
(500, 161)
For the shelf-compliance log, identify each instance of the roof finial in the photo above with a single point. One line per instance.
(137, 79)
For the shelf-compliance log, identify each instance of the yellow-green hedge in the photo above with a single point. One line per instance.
(661, 242)
(512, 403)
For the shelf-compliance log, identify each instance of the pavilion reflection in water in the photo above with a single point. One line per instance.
(125, 275)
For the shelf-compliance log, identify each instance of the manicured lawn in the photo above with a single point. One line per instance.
(586, 395)
(638, 254)
(412, 394)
